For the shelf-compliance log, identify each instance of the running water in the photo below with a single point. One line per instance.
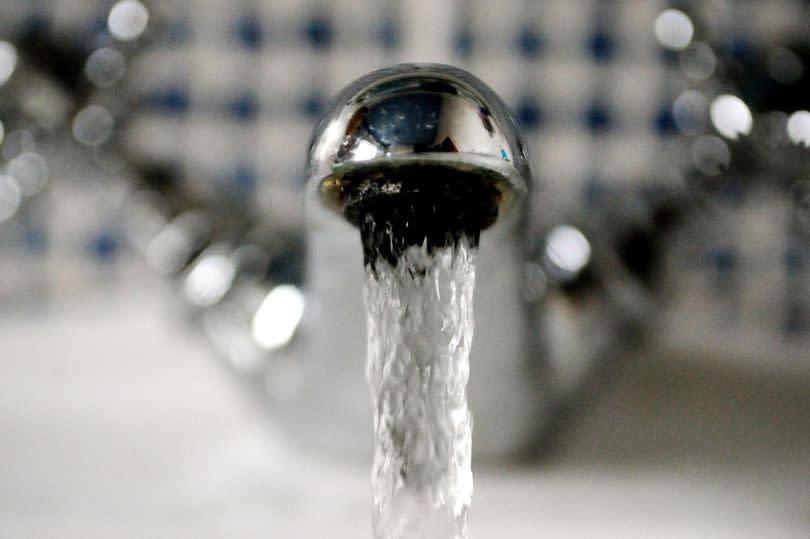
(420, 327)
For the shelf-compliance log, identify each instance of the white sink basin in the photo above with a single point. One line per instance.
(115, 423)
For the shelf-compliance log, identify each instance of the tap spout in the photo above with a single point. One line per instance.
(415, 153)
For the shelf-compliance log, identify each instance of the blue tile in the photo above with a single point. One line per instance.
(243, 179)
(528, 114)
(529, 43)
(664, 122)
(248, 32)
(171, 100)
(97, 26)
(597, 118)
(463, 43)
(34, 239)
(244, 107)
(36, 22)
(312, 105)
(600, 45)
(741, 50)
(318, 32)
(722, 259)
(104, 246)
(387, 34)
(178, 31)
(593, 191)
(667, 56)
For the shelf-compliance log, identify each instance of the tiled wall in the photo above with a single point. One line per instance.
(235, 94)
(228, 92)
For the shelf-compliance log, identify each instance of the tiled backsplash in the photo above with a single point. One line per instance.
(227, 93)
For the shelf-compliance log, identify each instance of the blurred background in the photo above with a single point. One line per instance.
(153, 261)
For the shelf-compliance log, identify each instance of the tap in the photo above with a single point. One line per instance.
(433, 133)
(284, 306)
(428, 145)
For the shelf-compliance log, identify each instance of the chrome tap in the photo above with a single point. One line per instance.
(418, 130)
(284, 306)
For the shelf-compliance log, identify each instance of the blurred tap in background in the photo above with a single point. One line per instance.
(669, 143)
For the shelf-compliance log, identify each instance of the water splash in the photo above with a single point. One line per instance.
(420, 327)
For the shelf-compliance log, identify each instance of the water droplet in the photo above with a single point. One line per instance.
(105, 67)
(278, 316)
(93, 125)
(30, 170)
(127, 20)
(689, 112)
(567, 252)
(698, 61)
(798, 127)
(210, 278)
(8, 61)
(674, 29)
(731, 116)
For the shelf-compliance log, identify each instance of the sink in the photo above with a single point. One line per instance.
(115, 423)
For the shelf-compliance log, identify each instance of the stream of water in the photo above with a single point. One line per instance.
(420, 327)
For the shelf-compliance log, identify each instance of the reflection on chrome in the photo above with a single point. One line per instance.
(284, 379)
(127, 20)
(30, 170)
(567, 251)
(173, 247)
(365, 151)
(710, 155)
(689, 112)
(536, 282)
(429, 113)
(798, 127)
(674, 29)
(105, 67)
(143, 219)
(8, 61)
(278, 316)
(10, 197)
(210, 279)
(93, 125)
(731, 116)
(223, 328)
